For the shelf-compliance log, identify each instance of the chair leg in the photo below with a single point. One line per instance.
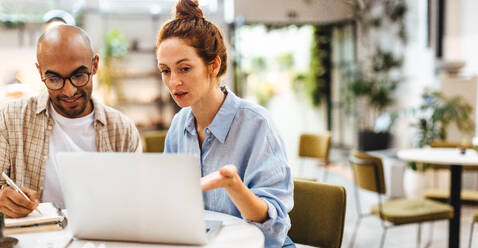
(435, 179)
(430, 236)
(354, 234)
(325, 174)
(471, 234)
(301, 168)
(382, 239)
(419, 234)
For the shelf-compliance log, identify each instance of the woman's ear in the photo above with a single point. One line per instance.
(215, 66)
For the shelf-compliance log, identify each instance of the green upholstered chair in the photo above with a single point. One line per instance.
(443, 195)
(368, 175)
(316, 146)
(154, 141)
(475, 219)
(318, 215)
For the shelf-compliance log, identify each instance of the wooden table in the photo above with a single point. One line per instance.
(234, 233)
(456, 161)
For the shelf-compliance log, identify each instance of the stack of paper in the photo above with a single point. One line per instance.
(50, 220)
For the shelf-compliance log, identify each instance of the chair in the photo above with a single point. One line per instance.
(154, 141)
(444, 194)
(368, 175)
(316, 146)
(475, 219)
(318, 215)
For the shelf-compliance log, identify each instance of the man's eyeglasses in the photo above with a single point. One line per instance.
(77, 79)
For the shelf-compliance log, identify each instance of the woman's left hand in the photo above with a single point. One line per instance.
(226, 177)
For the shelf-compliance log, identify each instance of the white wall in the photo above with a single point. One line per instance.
(461, 34)
(307, 11)
(418, 71)
(469, 35)
(460, 43)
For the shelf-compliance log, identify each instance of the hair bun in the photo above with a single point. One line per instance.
(188, 9)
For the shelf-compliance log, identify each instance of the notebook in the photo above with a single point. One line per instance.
(52, 219)
(153, 198)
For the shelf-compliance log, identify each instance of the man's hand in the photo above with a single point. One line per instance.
(14, 205)
(226, 177)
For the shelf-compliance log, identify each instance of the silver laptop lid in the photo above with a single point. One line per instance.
(133, 197)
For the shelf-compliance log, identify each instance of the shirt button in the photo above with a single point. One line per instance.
(209, 139)
(49, 127)
(208, 131)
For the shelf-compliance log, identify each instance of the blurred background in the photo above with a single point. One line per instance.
(342, 66)
(375, 75)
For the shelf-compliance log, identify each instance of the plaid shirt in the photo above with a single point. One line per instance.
(25, 128)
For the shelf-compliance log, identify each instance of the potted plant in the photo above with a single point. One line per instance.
(114, 49)
(433, 117)
(436, 113)
(374, 78)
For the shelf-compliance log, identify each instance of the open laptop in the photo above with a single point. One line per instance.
(153, 198)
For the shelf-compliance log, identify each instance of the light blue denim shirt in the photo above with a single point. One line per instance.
(241, 134)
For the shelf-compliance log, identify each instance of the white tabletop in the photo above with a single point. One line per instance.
(444, 156)
(234, 233)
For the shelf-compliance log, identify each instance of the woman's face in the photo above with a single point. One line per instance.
(183, 72)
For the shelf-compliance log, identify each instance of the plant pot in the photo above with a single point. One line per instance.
(416, 182)
(369, 140)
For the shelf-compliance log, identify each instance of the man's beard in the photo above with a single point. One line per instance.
(72, 113)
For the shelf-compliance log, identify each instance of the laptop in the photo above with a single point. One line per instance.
(153, 198)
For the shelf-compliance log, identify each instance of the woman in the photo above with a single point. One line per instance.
(243, 161)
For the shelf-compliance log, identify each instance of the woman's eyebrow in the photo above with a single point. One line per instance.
(182, 60)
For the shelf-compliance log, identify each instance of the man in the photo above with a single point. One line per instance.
(65, 118)
(57, 17)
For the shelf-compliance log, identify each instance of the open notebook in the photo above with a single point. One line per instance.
(51, 220)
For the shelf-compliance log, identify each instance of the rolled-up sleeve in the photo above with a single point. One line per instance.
(269, 177)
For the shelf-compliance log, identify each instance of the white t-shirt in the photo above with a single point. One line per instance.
(67, 135)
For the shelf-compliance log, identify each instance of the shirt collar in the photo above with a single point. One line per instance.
(44, 100)
(190, 123)
(222, 122)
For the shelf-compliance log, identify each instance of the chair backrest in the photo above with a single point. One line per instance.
(318, 215)
(449, 144)
(368, 171)
(154, 141)
(315, 146)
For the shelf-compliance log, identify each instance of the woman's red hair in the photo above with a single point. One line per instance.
(189, 24)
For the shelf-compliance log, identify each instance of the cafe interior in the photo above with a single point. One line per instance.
(375, 101)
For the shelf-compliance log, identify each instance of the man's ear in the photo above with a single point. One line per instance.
(215, 66)
(38, 68)
(96, 61)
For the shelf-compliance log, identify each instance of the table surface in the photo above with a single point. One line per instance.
(235, 232)
(443, 156)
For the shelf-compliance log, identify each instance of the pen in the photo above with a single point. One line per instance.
(16, 188)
